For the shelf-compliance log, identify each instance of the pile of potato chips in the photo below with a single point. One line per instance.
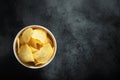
(34, 45)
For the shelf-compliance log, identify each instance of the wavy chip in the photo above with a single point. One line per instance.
(27, 35)
(25, 53)
(43, 55)
(35, 43)
(40, 35)
(18, 43)
(33, 49)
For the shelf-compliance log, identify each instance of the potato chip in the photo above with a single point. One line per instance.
(25, 53)
(18, 43)
(21, 40)
(53, 48)
(39, 34)
(43, 55)
(33, 49)
(27, 35)
(35, 43)
(48, 40)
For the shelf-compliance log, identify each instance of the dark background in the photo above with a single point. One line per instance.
(87, 34)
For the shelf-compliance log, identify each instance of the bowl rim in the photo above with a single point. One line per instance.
(34, 26)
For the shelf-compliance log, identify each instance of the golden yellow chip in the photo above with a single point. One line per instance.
(27, 35)
(35, 43)
(39, 34)
(43, 55)
(21, 40)
(25, 53)
(18, 43)
(33, 49)
(48, 40)
(53, 49)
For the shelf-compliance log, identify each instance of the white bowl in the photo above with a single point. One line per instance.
(54, 43)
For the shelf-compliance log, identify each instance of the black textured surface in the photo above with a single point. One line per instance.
(87, 33)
